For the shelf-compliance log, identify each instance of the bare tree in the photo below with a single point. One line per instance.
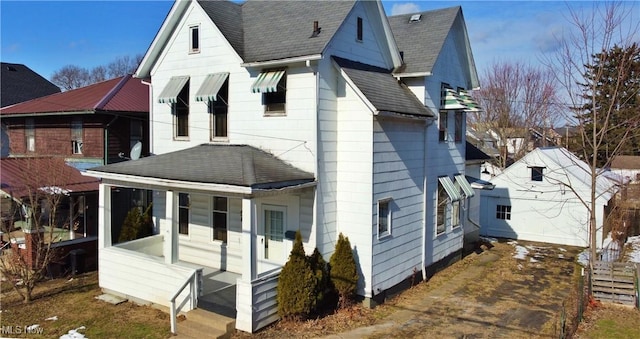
(71, 77)
(98, 74)
(39, 220)
(581, 66)
(516, 98)
(124, 65)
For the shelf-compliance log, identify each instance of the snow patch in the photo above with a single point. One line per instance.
(488, 239)
(74, 334)
(633, 248)
(31, 328)
(583, 258)
(54, 318)
(521, 252)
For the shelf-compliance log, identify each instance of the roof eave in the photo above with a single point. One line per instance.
(404, 115)
(282, 62)
(161, 38)
(412, 75)
(39, 114)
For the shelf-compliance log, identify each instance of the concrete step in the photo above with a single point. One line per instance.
(203, 324)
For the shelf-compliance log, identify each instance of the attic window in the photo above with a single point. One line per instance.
(194, 39)
(415, 18)
(536, 173)
(11, 69)
(359, 27)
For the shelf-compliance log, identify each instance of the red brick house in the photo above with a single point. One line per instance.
(88, 126)
(81, 128)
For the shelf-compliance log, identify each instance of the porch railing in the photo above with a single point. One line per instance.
(194, 283)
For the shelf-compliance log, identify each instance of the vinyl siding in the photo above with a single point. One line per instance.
(398, 170)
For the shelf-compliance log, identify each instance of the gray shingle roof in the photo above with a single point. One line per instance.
(238, 165)
(271, 30)
(384, 92)
(422, 41)
(227, 16)
(19, 83)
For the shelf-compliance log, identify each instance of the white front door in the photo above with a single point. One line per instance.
(271, 243)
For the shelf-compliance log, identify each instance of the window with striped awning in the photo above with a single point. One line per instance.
(211, 86)
(169, 94)
(267, 82)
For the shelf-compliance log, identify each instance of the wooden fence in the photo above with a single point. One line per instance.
(616, 282)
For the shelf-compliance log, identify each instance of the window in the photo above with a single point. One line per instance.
(503, 212)
(30, 135)
(275, 101)
(442, 126)
(458, 126)
(76, 136)
(384, 218)
(183, 213)
(194, 39)
(442, 202)
(536, 173)
(219, 218)
(359, 30)
(181, 113)
(218, 110)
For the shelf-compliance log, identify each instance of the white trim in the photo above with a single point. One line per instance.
(389, 215)
(412, 75)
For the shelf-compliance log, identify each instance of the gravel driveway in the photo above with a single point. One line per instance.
(509, 289)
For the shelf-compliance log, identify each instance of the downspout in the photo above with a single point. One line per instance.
(427, 123)
(150, 123)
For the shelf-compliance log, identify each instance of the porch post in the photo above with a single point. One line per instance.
(245, 319)
(104, 216)
(72, 217)
(170, 249)
(248, 239)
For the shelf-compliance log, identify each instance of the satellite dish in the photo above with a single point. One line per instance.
(136, 150)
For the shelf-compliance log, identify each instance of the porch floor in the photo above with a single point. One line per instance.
(218, 292)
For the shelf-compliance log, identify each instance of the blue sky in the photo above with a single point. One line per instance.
(47, 35)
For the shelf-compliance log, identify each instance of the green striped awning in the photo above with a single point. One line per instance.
(169, 94)
(448, 185)
(451, 100)
(463, 184)
(210, 86)
(469, 102)
(267, 82)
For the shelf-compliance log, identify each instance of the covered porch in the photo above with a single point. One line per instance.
(224, 218)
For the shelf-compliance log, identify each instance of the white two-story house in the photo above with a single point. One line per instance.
(270, 117)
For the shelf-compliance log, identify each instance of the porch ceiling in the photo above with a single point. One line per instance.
(233, 165)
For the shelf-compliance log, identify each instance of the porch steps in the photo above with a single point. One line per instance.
(204, 324)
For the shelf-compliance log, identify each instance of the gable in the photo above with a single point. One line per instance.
(435, 43)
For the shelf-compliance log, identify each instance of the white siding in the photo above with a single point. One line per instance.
(354, 179)
(398, 172)
(344, 43)
(290, 137)
(141, 276)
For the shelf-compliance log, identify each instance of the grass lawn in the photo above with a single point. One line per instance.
(610, 321)
(73, 303)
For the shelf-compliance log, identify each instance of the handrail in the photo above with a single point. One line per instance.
(192, 280)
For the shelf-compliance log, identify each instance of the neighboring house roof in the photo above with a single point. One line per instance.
(262, 31)
(381, 89)
(123, 94)
(237, 165)
(421, 41)
(47, 173)
(19, 83)
(473, 153)
(626, 162)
